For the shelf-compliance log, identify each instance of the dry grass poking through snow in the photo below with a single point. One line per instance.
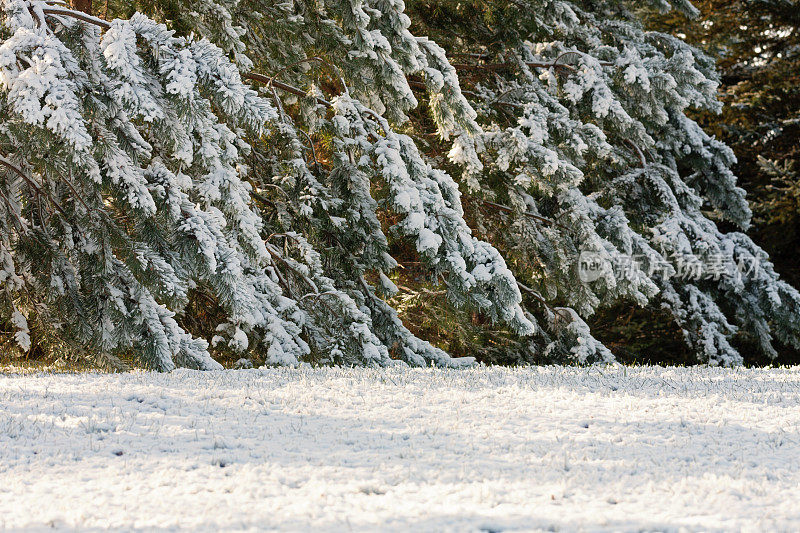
(396, 449)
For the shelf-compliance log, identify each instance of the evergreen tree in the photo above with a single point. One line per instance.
(757, 47)
(147, 186)
(587, 144)
(127, 192)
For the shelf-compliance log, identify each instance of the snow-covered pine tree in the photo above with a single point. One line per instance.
(757, 47)
(574, 126)
(576, 102)
(586, 139)
(139, 173)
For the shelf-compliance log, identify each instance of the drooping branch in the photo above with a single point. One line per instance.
(318, 59)
(532, 64)
(557, 311)
(261, 78)
(528, 214)
(13, 210)
(9, 165)
(85, 17)
(59, 11)
(638, 151)
(270, 81)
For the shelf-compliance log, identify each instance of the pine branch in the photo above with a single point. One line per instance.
(269, 80)
(85, 17)
(533, 64)
(638, 151)
(11, 208)
(528, 214)
(8, 164)
(557, 311)
(254, 76)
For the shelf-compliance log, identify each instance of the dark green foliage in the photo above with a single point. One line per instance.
(757, 47)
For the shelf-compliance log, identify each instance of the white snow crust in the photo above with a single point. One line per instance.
(607, 448)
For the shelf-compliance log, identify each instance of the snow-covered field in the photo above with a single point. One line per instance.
(484, 449)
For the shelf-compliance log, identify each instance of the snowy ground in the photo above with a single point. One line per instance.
(482, 449)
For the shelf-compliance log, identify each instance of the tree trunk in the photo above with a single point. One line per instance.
(83, 5)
